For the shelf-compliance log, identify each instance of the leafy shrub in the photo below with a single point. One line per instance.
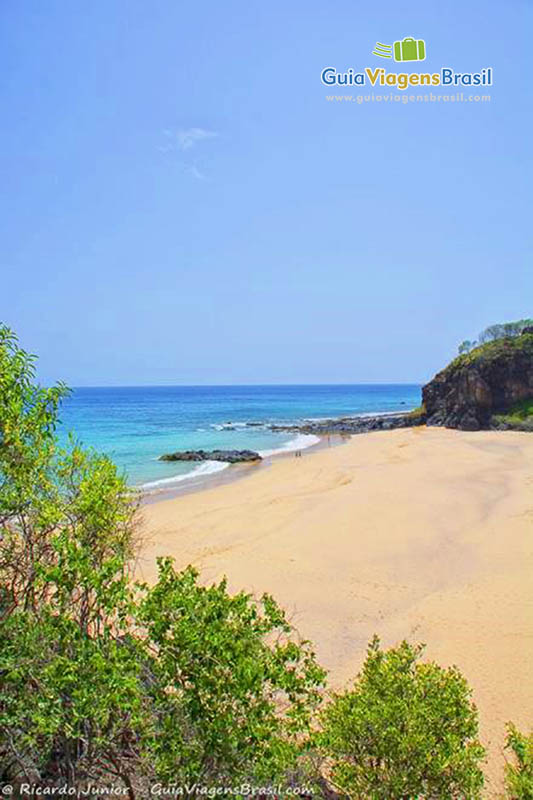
(466, 346)
(69, 689)
(522, 410)
(406, 730)
(519, 417)
(232, 687)
(418, 413)
(519, 775)
(101, 678)
(71, 705)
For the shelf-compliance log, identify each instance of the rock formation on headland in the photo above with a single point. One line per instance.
(230, 456)
(488, 387)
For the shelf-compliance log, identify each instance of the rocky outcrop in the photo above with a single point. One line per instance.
(353, 425)
(230, 456)
(489, 380)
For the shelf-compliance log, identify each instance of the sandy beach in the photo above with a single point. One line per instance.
(424, 534)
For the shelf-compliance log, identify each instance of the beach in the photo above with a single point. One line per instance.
(421, 533)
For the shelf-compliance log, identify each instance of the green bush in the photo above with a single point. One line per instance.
(466, 346)
(103, 679)
(519, 417)
(418, 414)
(407, 729)
(232, 688)
(519, 774)
(522, 411)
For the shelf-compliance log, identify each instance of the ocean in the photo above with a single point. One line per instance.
(135, 425)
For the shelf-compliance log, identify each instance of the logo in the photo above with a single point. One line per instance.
(407, 49)
(404, 50)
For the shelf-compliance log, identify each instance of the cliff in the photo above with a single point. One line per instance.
(488, 387)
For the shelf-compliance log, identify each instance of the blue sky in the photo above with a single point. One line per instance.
(184, 206)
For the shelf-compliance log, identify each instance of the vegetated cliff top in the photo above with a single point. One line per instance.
(486, 354)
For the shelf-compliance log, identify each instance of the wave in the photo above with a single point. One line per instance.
(300, 442)
(206, 468)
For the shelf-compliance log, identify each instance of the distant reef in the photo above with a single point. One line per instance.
(230, 456)
(359, 424)
(489, 387)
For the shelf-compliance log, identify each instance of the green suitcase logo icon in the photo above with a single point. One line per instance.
(409, 49)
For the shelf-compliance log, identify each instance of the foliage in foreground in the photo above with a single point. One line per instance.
(407, 729)
(104, 680)
(519, 772)
(193, 693)
(101, 678)
(231, 686)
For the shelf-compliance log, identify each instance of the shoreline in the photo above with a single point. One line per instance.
(418, 533)
(340, 429)
(234, 472)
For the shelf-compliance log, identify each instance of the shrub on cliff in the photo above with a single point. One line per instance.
(406, 729)
(476, 386)
(502, 330)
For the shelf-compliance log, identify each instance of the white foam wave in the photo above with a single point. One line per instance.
(300, 442)
(206, 468)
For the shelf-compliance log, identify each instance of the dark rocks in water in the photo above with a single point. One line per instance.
(230, 456)
(489, 380)
(354, 425)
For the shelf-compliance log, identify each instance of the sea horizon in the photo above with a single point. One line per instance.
(231, 385)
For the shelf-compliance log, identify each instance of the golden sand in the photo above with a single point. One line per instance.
(424, 534)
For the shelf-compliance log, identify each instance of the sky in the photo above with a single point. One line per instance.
(182, 205)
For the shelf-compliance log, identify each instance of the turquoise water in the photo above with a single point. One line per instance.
(135, 425)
